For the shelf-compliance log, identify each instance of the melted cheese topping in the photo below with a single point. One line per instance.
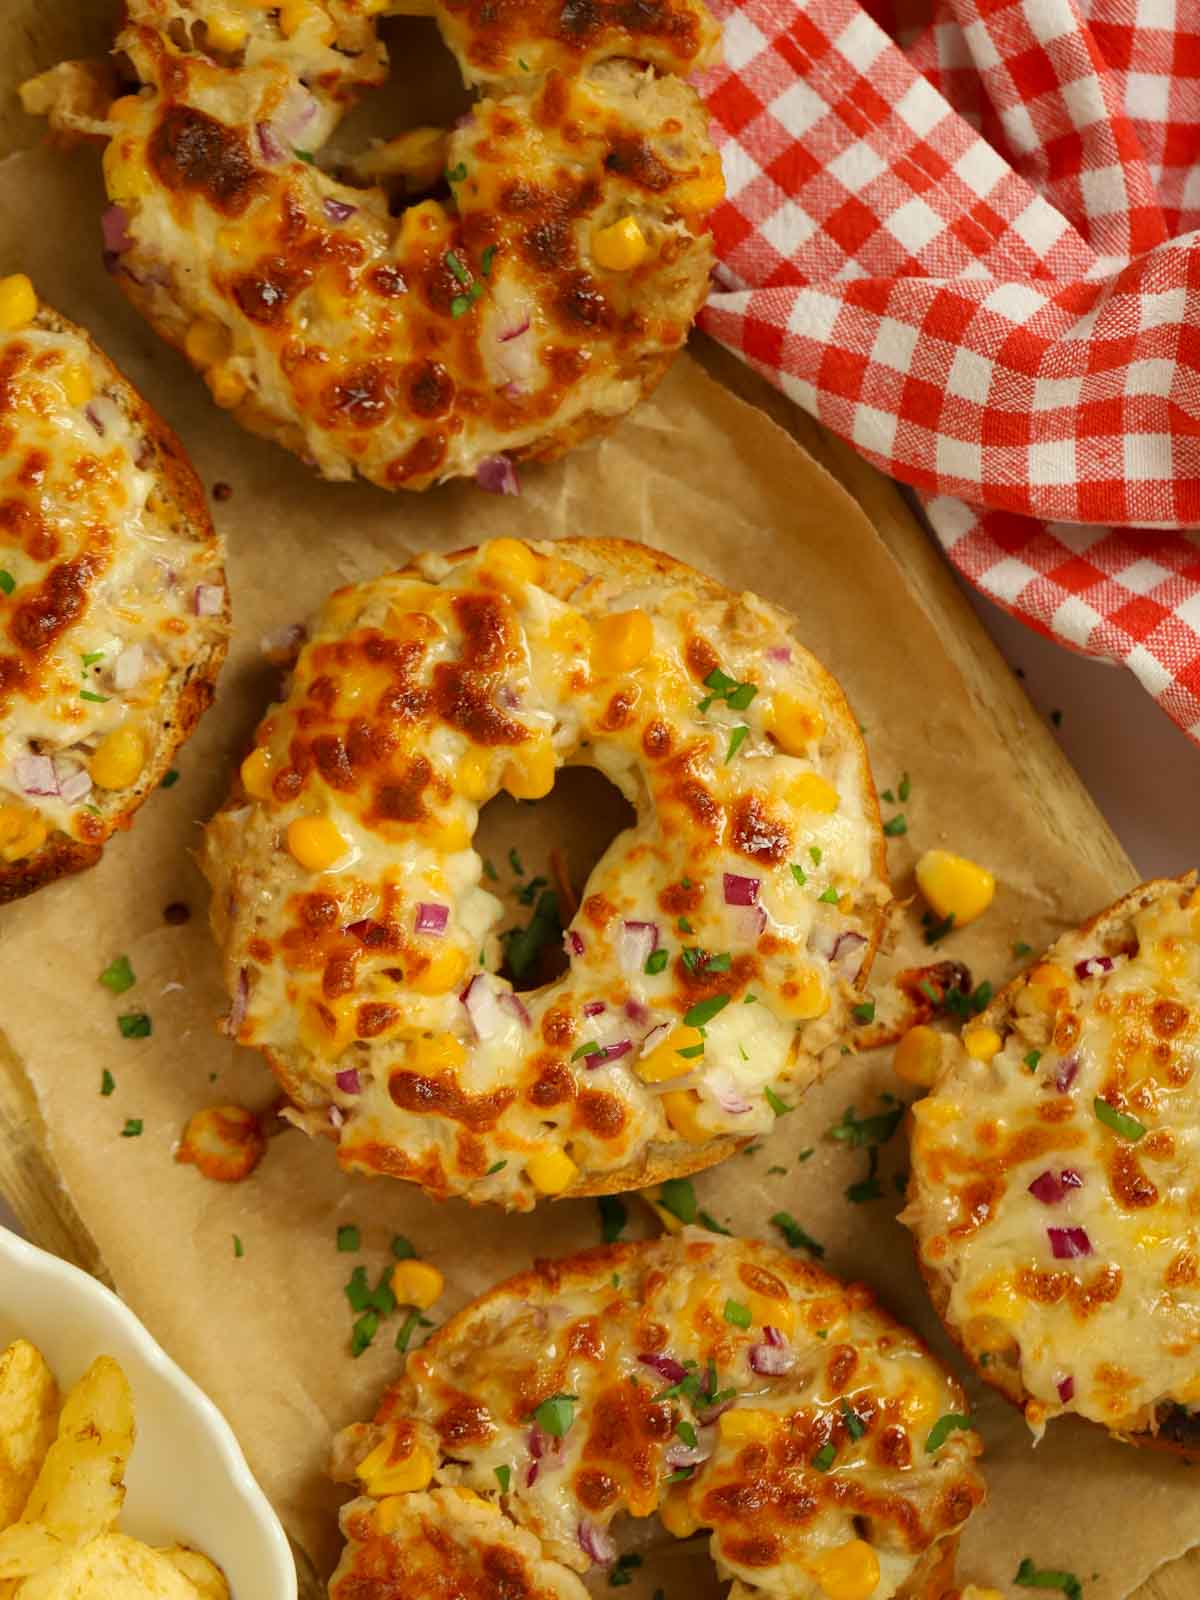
(721, 1384)
(1070, 1247)
(98, 588)
(682, 1018)
(417, 347)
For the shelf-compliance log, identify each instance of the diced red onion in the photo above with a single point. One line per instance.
(1068, 1243)
(594, 1542)
(748, 922)
(573, 942)
(482, 1006)
(114, 229)
(208, 600)
(677, 1454)
(845, 950)
(514, 1003)
(96, 420)
(269, 146)
(522, 325)
(537, 1444)
(1070, 1179)
(513, 390)
(779, 652)
(723, 1090)
(636, 941)
(1047, 1187)
(295, 114)
(241, 1003)
(129, 667)
(771, 1360)
(75, 786)
(337, 1117)
(655, 1037)
(1068, 1069)
(1093, 967)
(497, 475)
(1066, 1388)
(348, 1081)
(36, 774)
(740, 891)
(637, 1012)
(337, 210)
(432, 917)
(714, 1412)
(773, 1336)
(610, 1052)
(594, 1007)
(667, 1367)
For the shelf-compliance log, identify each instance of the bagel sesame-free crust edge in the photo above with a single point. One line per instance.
(770, 867)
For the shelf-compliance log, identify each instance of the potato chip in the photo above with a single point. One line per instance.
(79, 1490)
(204, 1576)
(114, 1567)
(28, 1418)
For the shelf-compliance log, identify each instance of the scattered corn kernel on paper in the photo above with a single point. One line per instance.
(244, 1283)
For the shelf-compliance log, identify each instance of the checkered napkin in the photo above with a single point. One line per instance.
(967, 248)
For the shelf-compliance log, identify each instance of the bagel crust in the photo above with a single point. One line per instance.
(719, 1383)
(1054, 1183)
(713, 957)
(530, 307)
(112, 599)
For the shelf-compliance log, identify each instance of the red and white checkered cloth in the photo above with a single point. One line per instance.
(967, 249)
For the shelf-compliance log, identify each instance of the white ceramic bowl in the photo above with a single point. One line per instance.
(188, 1481)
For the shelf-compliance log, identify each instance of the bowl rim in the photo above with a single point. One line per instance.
(75, 1280)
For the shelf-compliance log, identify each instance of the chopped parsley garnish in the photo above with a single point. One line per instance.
(489, 871)
(170, 779)
(936, 931)
(855, 1426)
(462, 303)
(887, 796)
(795, 1235)
(523, 946)
(799, 874)
(622, 1572)
(135, 1025)
(132, 1128)
(1022, 949)
(943, 1428)
(710, 1222)
(691, 1051)
(778, 1106)
(454, 262)
(737, 1313)
(736, 739)
(656, 961)
(865, 1012)
(678, 1196)
(737, 696)
(591, 1048)
(485, 264)
(828, 896)
(456, 175)
(524, 65)
(403, 1249)
(107, 1082)
(1119, 1121)
(496, 1166)
(825, 1457)
(238, 1249)
(805, 1155)
(859, 1132)
(363, 1332)
(1032, 1058)
(118, 975)
(613, 1217)
(1031, 1577)
(304, 155)
(503, 1478)
(905, 788)
(90, 657)
(895, 826)
(686, 1432)
(348, 1239)
(97, 699)
(529, 893)
(814, 851)
(866, 1188)
(514, 862)
(411, 1323)
(7, 582)
(680, 1475)
(555, 1416)
(684, 925)
(705, 1010)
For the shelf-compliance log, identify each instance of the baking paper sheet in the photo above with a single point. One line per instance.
(711, 480)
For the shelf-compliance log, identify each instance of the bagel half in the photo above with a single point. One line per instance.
(528, 303)
(1056, 1177)
(113, 605)
(717, 948)
(720, 1384)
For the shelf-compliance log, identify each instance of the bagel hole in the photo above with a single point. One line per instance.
(424, 89)
(560, 837)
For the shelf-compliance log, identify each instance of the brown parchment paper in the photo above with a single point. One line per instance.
(711, 480)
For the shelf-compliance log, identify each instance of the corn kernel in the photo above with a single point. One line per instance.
(380, 1474)
(21, 833)
(700, 194)
(805, 995)
(796, 724)
(256, 773)
(441, 1052)
(677, 1516)
(453, 835)
(621, 641)
(315, 842)
(18, 302)
(982, 1044)
(118, 759)
(1048, 986)
(811, 792)
(550, 1171)
(443, 972)
(327, 1027)
(225, 31)
(771, 1313)
(918, 1056)
(974, 1592)
(849, 1571)
(125, 108)
(77, 384)
(531, 776)
(664, 1061)
(512, 558)
(295, 15)
(416, 1283)
(1193, 901)
(620, 247)
(207, 342)
(653, 1198)
(423, 225)
(125, 174)
(739, 1426)
(955, 887)
(682, 1110)
(227, 388)
(938, 1112)
(419, 156)
(475, 776)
